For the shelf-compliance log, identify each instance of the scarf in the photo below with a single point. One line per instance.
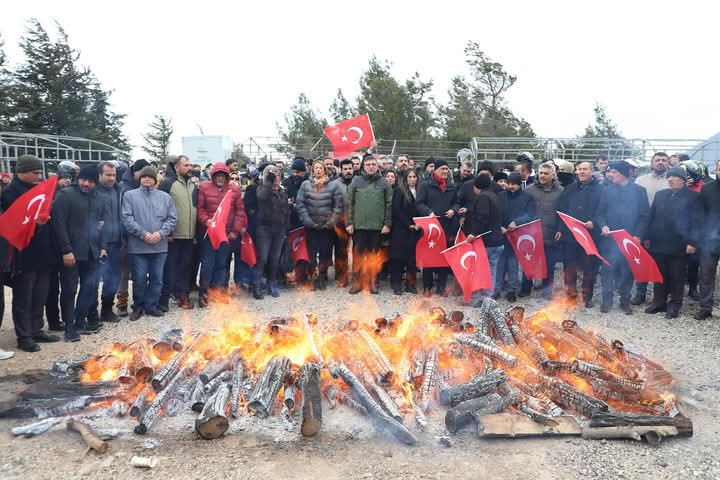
(441, 182)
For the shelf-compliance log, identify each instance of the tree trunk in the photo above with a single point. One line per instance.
(309, 383)
(213, 369)
(150, 415)
(268, 386)
(238, 377)
(477, 387)
(603, 419)
(213, 422)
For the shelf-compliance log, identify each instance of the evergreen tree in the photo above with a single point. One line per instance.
(303, 127)
(5, 85)
(340, 109)
(157, 139)
(612, 144)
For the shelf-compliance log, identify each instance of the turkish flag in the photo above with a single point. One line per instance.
(470, 266)
(460, 236)
(527, 242)
(644, 268)
(581, 234)
(297, 240)
(217, 231)
(247, 250)
(350, 135)
(428, 252)
(18, 223)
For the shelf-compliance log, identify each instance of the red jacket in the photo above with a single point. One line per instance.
(209, 198)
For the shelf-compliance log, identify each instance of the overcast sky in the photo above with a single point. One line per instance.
(235, 68)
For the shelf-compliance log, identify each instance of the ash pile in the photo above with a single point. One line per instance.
(504, 374)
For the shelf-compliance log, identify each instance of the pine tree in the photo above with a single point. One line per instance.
(340, 109)
(304, 126)
(157, 140)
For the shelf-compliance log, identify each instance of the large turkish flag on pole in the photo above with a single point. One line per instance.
(583, 237)
(527, 242)
(470, 266)
(428, 252)
(350, 135)
(18, 223)
(297, 240)
(217, 231)
(642, 265)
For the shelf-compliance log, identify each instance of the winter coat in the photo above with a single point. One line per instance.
(343, 185)
(369, 204)
(674, 221)
(209, 198)
(403, 240)
(251, 206)
(148, 210)
(546, 201)
(78, 219)
(581, 201)
(486, 216)
(272, 205)
(185, 197)
(320, 205)
(710, 200)
(42, 252)
(652, 184)
(430, 199)
(624, 207)
(112, 231)
(292, 185)
(518, 207)
(128, 182)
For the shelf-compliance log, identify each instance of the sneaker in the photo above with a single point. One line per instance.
(703, 315)
(57, 327)
(637, 300)
(5, 354)
(28, 345)
(72, 338)
(43, 337)
(136, 314)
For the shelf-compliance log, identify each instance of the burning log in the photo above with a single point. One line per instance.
(429, 378)
(380, 418)
(89, 437)
(613, 391)
(309, 382)
(420, 419)
(185, 388)
(462, 414)
(569, 397)
(169, 371)
(375, 358)
(142, 367)
(217, 381)
(603, 419)
(352, 403)
(169, 344)
(418, 365)
(479, 386)
(238, 376)
(591, 371)
(384, 400)
(67, 408)
(554, 367)
(69, 367)
(491, 310)
(532, 348)
(141, 402)
(149, 416)
(213, 369)
(485, 349)
(549, 406)
(125, 375)
(198, 397)
(289, 393)
(213, 422)
(332, 393)
(119, 408)
(267, 388)
(536, 415)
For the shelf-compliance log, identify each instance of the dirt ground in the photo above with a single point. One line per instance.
(348, 447)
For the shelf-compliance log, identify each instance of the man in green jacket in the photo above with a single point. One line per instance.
(369, 215)
(176, 278)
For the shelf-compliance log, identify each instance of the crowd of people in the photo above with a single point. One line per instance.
(112, 223)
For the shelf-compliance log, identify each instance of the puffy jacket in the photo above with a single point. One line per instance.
(148, 210)
(546, 205)
(710, 200)
(320, 205)
(343, 184)
(184, 195)
(369, 204)
(77, 218)
(518, 207)
(210, 196)
(674, 221)
(624, 207)
(431, 199)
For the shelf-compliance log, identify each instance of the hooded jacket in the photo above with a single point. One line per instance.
(320, 205)
(369, 204)
(184, 196)
(210, 196)
(78, 219)
(148, 210)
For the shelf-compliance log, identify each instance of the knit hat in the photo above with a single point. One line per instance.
(482, 182)
(563, 166)
(299, 165)
(28, 163)
(440, 163)
(515, 178)
(428, 162)
(149, 171)
(500, 176)
(526, 157)
(622, 167)
(677, 172)
(139, 165)
(89, 172)
(486, 165)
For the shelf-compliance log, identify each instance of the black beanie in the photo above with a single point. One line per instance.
(299, 164)
(139, 165)
(486, 165)
(429, 161)
(89, 172)
(515, 178)
(440, 163)
(500, 176)
(622, 166)
(482, 182)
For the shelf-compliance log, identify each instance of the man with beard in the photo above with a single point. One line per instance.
(465, 172)
(341, 239)
(330, 168)
(78, 217)
(402, 164)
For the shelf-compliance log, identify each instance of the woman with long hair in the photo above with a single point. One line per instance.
(405, 234)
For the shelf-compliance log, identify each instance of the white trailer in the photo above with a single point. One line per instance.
(207, 148)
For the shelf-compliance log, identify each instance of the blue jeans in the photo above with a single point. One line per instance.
(213, 268)
(147, 279)
(109, 274)
(507, 267)
(76, 305)
(268, 243)
(493, 254)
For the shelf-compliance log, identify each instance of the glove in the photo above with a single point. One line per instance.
(271, 177)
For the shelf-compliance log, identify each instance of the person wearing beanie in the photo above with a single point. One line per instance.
(501, 179)
(438, 196)
(298, 174)
(673, 234)
(299, 165)
(149, 217)
(623, 205)
(524, 167)
(78, 216)
(428, 168)
(30, 267)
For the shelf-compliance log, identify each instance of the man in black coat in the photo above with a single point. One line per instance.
(623, 206)
(581, 200)
(437, 196)
(710, 248)
(673, 234)
(30, 268)
(78, 216)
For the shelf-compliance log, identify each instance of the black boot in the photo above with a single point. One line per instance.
(411, 283)
(693, 292)
(106, 313)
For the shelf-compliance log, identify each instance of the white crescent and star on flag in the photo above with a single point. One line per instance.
(38, 198)
(625, 243)
(465, 256)
(431, 243)
(582, 234)
(357, 130)
(296, 242)
(528, 238)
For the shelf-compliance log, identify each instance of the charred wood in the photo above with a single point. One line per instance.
(309, 383)
(479, 386)
(263, 396)
(485, 349)
(213, 422)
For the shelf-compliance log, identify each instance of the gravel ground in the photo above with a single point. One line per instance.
(348, 447)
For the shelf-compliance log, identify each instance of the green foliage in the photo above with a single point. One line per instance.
(340, 108)
(303, 127)
(609, 139)
(157, 140)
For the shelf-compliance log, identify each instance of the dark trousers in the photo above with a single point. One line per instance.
(708, 270)
(147, 278)
(29, 294)
(673, 269)
(109, 274)
(366, 259)
(176, 274)
(616, 276)
(52, 303)
(693, 269)
(319, 244)
(577, 260)
(341, 244)
(73, 304)
(268, 244)
(213, 265)
(442, 276)
(398, 267)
